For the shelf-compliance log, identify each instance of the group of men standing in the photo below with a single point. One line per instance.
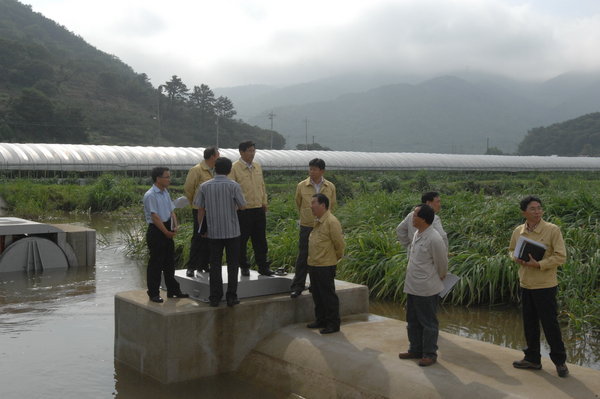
(422, 234)
(229, 207)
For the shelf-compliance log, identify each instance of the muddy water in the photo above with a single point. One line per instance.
(57, 332)
(500, 326)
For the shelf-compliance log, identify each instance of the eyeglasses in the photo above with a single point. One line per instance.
(165, 177)
(535, 209)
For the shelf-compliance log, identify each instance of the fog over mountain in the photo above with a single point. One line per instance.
(455, 113)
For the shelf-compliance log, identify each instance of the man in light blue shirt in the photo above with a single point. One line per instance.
(220, 198)
(162, 227)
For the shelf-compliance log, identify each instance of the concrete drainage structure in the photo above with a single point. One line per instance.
(265, 339)
(32, 247)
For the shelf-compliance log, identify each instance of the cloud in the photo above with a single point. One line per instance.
(279, 42)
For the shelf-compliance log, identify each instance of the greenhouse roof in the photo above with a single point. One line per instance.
(84, 158)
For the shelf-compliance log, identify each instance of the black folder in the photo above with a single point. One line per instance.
(536, 251)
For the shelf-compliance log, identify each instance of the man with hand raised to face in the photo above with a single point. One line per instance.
(427, 267)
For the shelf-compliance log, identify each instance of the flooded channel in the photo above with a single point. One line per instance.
(57, 332)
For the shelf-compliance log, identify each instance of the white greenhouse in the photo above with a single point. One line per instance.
(97, 158)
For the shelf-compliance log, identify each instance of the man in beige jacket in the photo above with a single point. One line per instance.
(253, 219)
(325, 249)
(314, 184)
(200, 173)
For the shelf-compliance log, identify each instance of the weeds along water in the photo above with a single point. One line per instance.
(479, 212)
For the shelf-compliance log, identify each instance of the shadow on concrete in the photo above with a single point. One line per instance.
(570, 385)
(449, 386)
(477, 362)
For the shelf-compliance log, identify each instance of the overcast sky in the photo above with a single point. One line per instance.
(236, 42)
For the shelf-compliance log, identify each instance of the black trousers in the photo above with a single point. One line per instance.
(200, 247)
(422, 324)
(253, 225)
(539, 306)
(301, 269)
(162, 260)
(232, 249)
(327, 304)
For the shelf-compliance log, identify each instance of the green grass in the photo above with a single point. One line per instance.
(480, 210)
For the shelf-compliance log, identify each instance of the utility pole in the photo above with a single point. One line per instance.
(271, 116)
(306, 131)
(160, 88)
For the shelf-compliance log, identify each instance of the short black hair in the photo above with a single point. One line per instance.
(322, 199)
(525, 202)
(222, 166)
(210, 151)
(429, 196)
(158, 172)
(317, 162)
(244, 145)
(426, 213)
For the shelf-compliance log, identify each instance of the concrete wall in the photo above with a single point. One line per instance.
(183, 339)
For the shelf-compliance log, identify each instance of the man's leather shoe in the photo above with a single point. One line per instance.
(526, 364)
(427, 361)
(295, 294)
(214, 304)
(409, 355)
(245, 271)
(177, 295)
(329, 330)
(562, 370)
(205, 269)
(190, 272)
(157, 299)
(266, 272)
(232, 301)
(315, 324)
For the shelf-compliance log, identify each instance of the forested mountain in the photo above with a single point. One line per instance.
(456, 113)
(575, 137)
(54, 87)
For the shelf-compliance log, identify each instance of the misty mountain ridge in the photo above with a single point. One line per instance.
(442, 114)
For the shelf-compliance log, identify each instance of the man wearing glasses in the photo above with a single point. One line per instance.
(162, 227)
(538, 287)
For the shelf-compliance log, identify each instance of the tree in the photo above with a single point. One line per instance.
(176, 90)
(224, 108)
(202, 100)
(32, 116)
(494, 151)
(312, 147)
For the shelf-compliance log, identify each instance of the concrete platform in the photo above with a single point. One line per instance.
(248, 286)
(184, 339)
(362, 361)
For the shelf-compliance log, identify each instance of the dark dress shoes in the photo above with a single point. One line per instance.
(177, 295)
(409, 355)
(157, 299)
(232, 301)
(190, 272)
(214, 304)
(526, 364)
(315, 324)
(266, 272)
(329, 330)
(427, 361)
(245, 271)
(295, 294)
(562, 370)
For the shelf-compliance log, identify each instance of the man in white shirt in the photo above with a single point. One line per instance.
(406, 230)
(427, 267)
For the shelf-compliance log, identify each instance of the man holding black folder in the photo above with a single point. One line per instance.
(539, 285)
